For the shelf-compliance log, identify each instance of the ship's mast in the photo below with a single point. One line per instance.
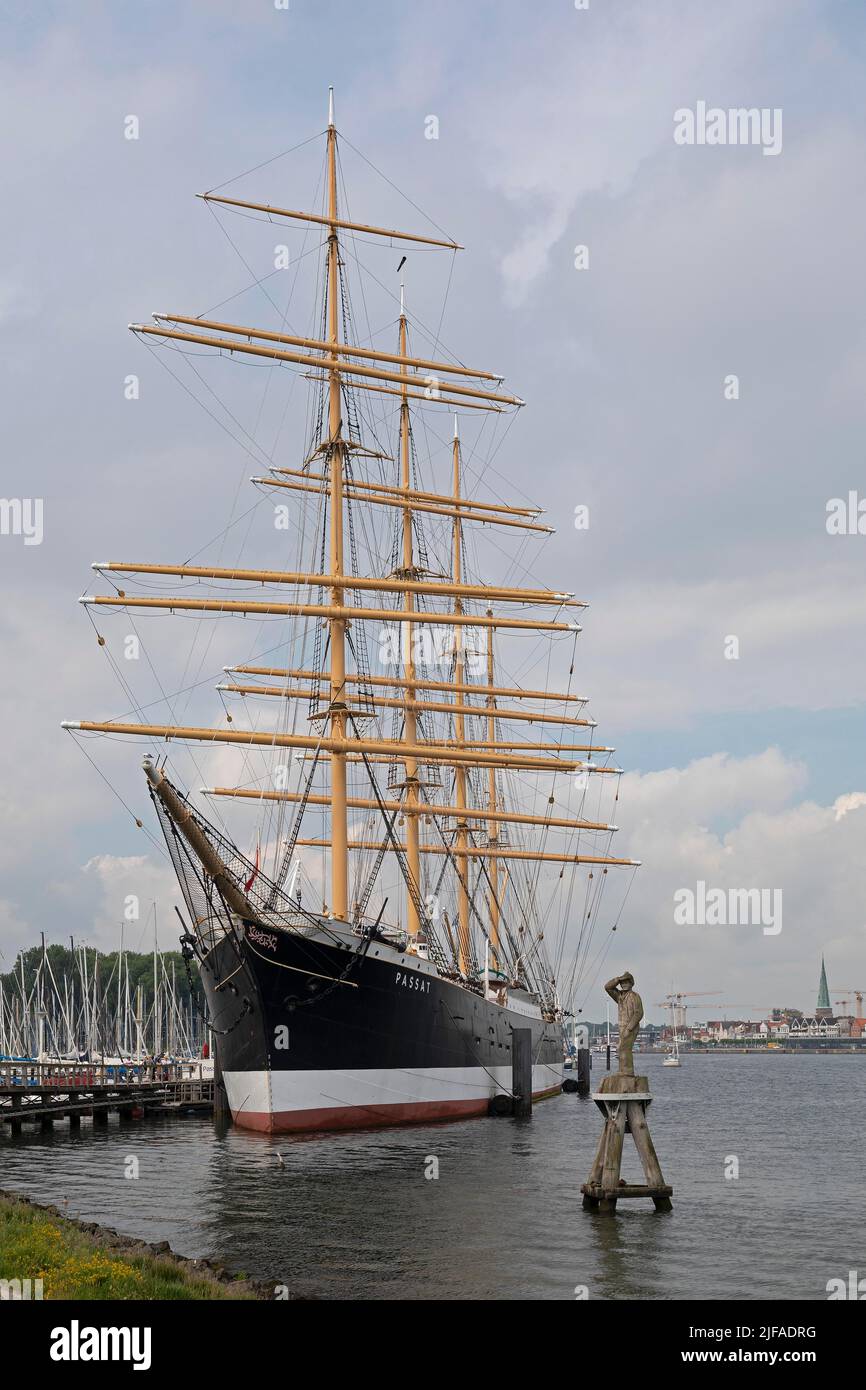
(409, 600)
(336, 625)
(410, 722)
(492, 824)
(461, 838)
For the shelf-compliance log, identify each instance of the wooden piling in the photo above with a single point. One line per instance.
(647, 1154)
(612, 1161)
(221, 1112)
(623, 1101)
(583, 1066)
(521, 1070)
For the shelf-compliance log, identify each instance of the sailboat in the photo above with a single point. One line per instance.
(673, 1057)
(376, 1008)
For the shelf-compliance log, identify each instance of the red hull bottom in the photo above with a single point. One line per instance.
(365, 1116)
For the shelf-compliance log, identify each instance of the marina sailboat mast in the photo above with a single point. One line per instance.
(456, 767)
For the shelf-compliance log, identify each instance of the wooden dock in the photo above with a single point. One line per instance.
(42, 1093)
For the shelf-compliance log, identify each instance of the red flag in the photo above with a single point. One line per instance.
(250, 881)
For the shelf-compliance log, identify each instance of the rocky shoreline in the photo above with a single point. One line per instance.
(228, 1283)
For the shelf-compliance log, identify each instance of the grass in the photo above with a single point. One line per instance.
(72, 1264)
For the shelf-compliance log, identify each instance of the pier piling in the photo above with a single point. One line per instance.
(623, 1100)
(221, 1112)
(583, 1065)
(521, 1070)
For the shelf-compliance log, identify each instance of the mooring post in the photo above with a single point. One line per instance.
(648, 1156)
(221, 1112)
(583, 1065)
(521, 1070)
(623, 1099)
(612, 1160)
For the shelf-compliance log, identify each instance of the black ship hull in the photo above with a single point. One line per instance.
(318, 1029)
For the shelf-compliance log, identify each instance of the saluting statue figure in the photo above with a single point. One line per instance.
(630, 1007)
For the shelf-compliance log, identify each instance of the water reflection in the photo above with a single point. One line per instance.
(357, 1216)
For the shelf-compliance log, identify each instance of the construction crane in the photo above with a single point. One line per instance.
(767, 1008)
(674, 1002)
(858, 995)
(671, 999)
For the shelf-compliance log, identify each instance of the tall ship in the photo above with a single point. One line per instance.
(430, 840)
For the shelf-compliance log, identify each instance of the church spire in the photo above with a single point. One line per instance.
(823, 1009)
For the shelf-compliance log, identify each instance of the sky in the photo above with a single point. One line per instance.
(707, 514)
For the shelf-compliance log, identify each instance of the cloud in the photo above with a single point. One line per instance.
(138, 893)
(707, 518)
(711, 789)
(14, 934)
(771, 839)
(655, 652)
(603, 108)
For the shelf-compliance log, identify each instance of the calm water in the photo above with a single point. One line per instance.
(353, 1216)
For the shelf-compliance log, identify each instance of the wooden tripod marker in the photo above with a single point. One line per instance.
(623, 1100)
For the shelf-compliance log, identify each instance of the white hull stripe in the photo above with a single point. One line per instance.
(279, 1092)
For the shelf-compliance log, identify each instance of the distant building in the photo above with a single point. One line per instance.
(823, 1008)
(823, 1027)
(775, 1028)
(724, 1028)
